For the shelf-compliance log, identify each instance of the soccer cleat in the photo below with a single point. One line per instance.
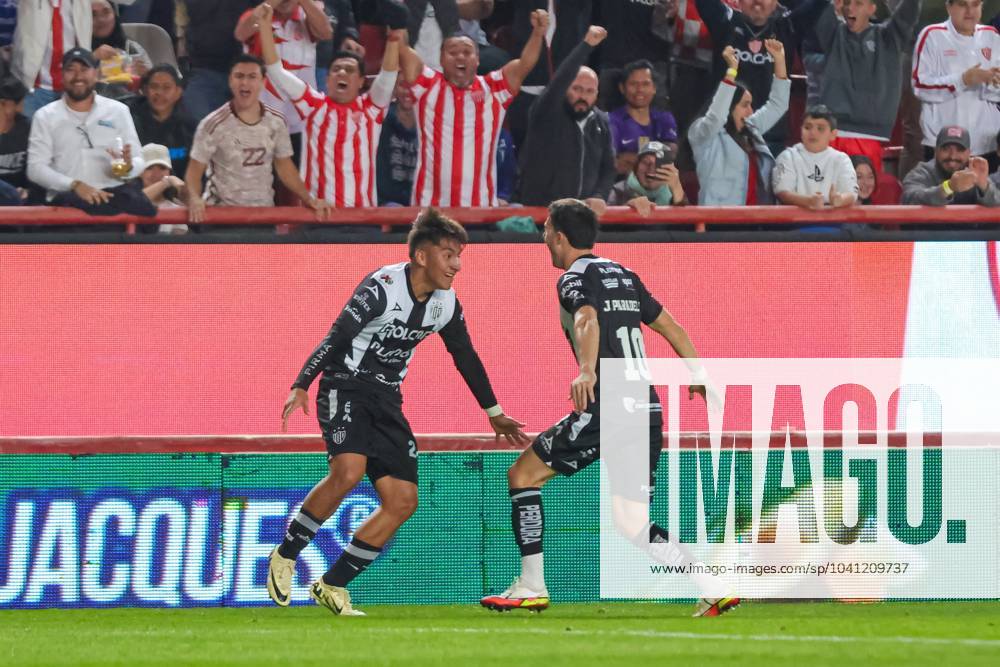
(518, 596)
(715, 606)
(334, 598)
(280, 572)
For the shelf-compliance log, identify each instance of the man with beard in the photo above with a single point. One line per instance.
(69, 150)
(953, 176)
(567, 151)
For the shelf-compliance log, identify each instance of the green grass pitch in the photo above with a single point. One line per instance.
(930, 633)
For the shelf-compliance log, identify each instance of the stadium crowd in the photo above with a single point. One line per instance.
(136, 105)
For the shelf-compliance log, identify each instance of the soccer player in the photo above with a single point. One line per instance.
(459, 115)
(602, 307)
(363, 361)
(342, 128)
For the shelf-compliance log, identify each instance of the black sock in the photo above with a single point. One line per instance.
(301, 532)
(527, 518)
(356, 558)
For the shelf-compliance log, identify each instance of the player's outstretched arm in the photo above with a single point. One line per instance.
(674, 333)
(459, 345)
(587, 333)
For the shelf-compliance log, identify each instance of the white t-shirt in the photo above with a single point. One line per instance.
(804, 173)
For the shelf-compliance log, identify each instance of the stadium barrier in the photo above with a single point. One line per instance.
(699, 216)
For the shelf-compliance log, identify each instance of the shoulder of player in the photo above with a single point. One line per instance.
(212, 121)
(274, 116)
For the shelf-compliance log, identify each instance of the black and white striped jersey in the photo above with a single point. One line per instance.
(374, 337)
(622, 303)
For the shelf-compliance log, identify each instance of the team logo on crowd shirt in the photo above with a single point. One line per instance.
(755, 45)
(817, 175)
(436, 309)
(987, 53)
(870, 45)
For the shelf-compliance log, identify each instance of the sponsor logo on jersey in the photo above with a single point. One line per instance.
(610, 283)
(611, 268)
(569, 284)
(546, 443)
(628, 282)
(390, 355)
(753, 58)
(626, 305)
(386, 381)
(353, 312)
(396, 307)
(400, 332)
(373, 289)
(386, 278)
(362, 299)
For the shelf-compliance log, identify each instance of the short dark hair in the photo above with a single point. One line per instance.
(576, 220)
(12, 89)
(247, 58)
(635, 66)
(431, 226)
(458, 35)
(821, 112)
(163, 68)
(350, 55)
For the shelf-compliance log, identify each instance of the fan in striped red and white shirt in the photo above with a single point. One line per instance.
(341, 133)
(459, 115)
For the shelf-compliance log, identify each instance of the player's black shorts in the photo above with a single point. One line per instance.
(575, 442)
(358, 421)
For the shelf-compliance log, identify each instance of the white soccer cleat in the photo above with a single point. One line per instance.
(280, 572)
(715, 606)
(518, 596)
(334, 598)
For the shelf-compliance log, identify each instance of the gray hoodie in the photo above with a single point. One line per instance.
(863, 78)
(923, 186)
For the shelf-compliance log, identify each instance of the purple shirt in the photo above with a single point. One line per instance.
(627, 136)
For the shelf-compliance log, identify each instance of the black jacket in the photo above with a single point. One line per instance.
(176, 133)
(558, 158)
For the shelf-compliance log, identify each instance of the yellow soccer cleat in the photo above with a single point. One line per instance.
(334, 598)
(280, 572)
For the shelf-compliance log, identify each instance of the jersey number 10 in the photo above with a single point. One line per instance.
(634, 351)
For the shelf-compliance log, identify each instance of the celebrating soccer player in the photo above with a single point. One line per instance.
(363, 360)
(602, 307)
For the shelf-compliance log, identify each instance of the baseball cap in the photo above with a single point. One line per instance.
(656, 148)
(953, 134)
(156, 154)
(80, 55)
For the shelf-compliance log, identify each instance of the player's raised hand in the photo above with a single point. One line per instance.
(729, 55)
(595, 35)
(509, 428)
(581, 391)
(539, 20)
(298, 398)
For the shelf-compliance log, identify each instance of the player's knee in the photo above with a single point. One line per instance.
(345, 476)
(401, 505)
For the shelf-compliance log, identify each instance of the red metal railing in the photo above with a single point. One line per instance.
(699, 216)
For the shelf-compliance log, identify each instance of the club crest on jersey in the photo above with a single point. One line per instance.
(987, 53)
(436, 310)
(339, 436)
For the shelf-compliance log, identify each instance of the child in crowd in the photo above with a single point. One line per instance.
(811, 174)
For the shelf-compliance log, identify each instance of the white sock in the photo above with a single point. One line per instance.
(533, 572)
